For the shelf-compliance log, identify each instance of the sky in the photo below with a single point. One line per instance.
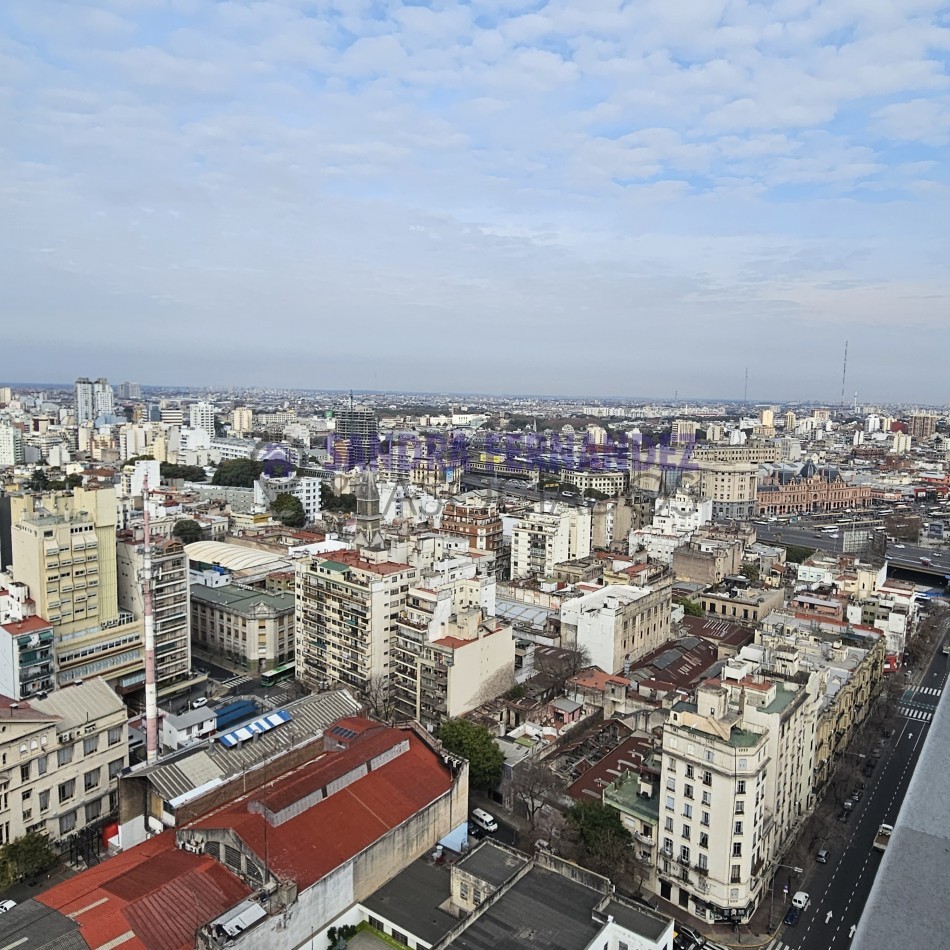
(575, 197)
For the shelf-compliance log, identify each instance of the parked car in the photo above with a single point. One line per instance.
(199, 702)
(801, 900)
(6, 905)
(474, 831)
(791, 918)
(484, 821)
(822, 856)
(856, 795)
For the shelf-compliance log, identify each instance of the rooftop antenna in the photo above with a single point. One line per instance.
(745, 391)
(151, 698)
(844, 372)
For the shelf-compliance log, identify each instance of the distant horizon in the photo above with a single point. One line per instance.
(671, 402)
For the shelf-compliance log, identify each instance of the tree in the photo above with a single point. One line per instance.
(288, 510)
(330, 502)
(557, 666)
(187, 531)
(690, 607)
(750, 570)
(601, 842)
(24, 857)
(378, 696)
(796, 554)
(189, 473)
(39, 480)
(238, 473)
(475, 743)
(534, 786)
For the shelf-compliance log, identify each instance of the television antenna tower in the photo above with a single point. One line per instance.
(844, 372)
(151, 697)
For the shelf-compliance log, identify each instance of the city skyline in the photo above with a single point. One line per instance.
(479, 198)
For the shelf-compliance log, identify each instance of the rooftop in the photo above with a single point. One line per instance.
(241, 599)
(77, 705)
(492, 865)
(33, 926)
(234, 557)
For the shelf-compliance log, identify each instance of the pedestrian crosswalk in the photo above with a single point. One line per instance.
(236, 681)
(777, 944)
(929, 691)
(919, 714)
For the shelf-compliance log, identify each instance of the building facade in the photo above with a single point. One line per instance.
(548, 535)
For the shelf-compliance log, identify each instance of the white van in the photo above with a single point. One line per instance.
(484, 821)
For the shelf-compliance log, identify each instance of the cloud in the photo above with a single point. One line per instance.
(549, 175)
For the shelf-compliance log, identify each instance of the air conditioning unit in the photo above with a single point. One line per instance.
(65, 737)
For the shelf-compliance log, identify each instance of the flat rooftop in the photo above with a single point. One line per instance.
(492, 865)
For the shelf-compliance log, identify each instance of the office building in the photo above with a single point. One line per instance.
(357, 427)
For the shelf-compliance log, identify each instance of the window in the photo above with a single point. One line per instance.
(743, 763)
(41, 763)
(687, 811)
(736, 875)
(44, 800)
(707, 778)
(668, 845)
(463, 891)
(115, 766)
(670, 802)
(94, 810)
(703, 839)
(669, 823)
(91, 779)
(740, 787)
(707, 798)
(67, 822)
(688, 791)
(476, 896)
(740, 808)
(686, 831)
(115, 735)
(90, 744)
(67, 790)
(671, 783)
(25, 772)
(738, 828)
(684, 854)
(737, 849)
(703, 862)
(64, 755)
(704, 820)
(689, 771)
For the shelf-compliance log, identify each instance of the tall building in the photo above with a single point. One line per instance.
(242, 421)
(170, 603)
(346, 612)
(11, 446)
(103, 398)
(85, 403)
(129, 391)
(358, 427)
(6, 395)
(683, 431)
(202, 417)
(543, 538)
(476, 520)
(923, 426)
(791, 420)
(64, 551)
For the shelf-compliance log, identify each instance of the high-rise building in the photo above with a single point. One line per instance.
(923, 426)
(6, 394)
(64, 551)
(347, 607)
(103, 398)
(242, 421)
(791, 420)
(11, 446)
(85, 403)
(547, 536)
(170, 602)
(475, 519)
(357, 426)
(202, 417)
(129, 391)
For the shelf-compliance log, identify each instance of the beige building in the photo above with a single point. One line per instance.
(64, 551)
(347, 607)
(548, 535)
(242, 421)
(60, 760)
(618, 624)
(475, 519)
(744, 605)
(445, 660)
(244, 624)
(610, 484)
(707, 560)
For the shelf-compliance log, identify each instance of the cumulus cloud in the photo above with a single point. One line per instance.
(730, 170)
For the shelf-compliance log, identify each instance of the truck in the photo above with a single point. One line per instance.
(882, 837)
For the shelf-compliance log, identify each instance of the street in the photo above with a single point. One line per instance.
(840, 888)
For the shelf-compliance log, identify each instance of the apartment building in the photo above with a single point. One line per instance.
(27, 659)
(244, 624)
(64, 551)
(618, 624)
(347, 607)
(59, 760)
(589, 480)
(169, 603)
(242, 421)
(11, 446)
(445, 664)
(201, 416)
(734, 600)
(474, 519)
(548, 535)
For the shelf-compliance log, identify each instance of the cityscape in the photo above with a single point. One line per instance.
(474, 475)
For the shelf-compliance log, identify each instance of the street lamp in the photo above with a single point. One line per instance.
(772, 900)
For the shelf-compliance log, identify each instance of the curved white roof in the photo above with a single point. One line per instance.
(234, 557)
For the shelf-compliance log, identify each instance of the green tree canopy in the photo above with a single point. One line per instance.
(26, 855)
(288, 510)
(238, 473)
(330, 502)
(187, 531)
(190, 473)
(690, 607)
(602, 842)
(475, 743)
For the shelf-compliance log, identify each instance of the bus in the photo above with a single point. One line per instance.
(278, 674)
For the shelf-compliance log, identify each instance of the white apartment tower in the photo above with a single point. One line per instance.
(85, 404)
(547, 536)
(202, 417)
(103, 398)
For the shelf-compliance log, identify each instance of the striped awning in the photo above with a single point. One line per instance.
(247, 731)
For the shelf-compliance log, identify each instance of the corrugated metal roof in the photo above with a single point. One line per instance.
(77, 705)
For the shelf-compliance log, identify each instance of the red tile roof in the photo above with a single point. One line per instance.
(312, 844)
(596, 678)
(353, 559)
(625, 757)
(155, 892)
(27, 625)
